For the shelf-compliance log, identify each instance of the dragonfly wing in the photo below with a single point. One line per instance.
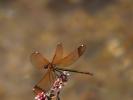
(46, 82)
(58, 53)
(38, 60)
(37, 90)
(52, 77)
(72, 57)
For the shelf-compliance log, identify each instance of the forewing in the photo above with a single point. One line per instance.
(46, 82)
(72, 57)
(38, 60)
(58, 53)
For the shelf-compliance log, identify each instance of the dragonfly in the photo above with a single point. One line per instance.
(58, 64)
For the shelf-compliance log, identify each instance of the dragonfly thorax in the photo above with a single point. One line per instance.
(50, 66)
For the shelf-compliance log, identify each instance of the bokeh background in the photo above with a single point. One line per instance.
(105, 26)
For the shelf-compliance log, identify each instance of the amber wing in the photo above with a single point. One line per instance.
(38, 60)
(72, 57)
(58, 53)
(46, 82)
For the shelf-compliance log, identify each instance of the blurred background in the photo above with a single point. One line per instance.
(105, 26)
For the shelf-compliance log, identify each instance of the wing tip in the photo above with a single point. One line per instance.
(82, 45)
(59, 43)
(35, 52)
(81, 49)
(36, 89)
